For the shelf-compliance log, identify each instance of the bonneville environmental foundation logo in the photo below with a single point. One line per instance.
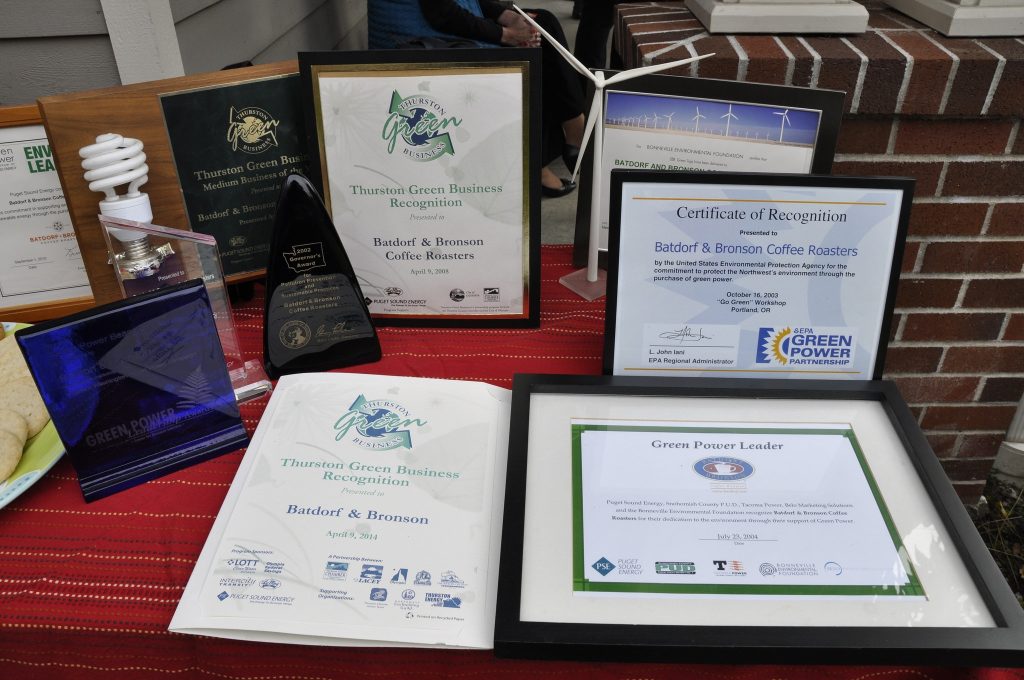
(423, 124)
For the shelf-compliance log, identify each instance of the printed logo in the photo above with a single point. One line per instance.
(371, 573)
(392, 290)
(423, 124)
(294, 334)
(768, 569)
(805, 346)
(380, 425)
(305, 256)
(603, 566)
(379, 594)
(443, 600)
(723, 469)
(422, 578)
(222, 596)
(237, 241)
(833, 568)
(457, 294)
(719, 565)
(492, 294)
(450, 580)
(400, 576)
(270, 584)
(408, 594)
(251, 129)
(676, 568)
(336, 571)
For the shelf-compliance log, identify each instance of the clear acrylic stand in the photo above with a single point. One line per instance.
(200, 258)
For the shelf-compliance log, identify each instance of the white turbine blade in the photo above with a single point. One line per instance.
(654, 68)
(566, 54)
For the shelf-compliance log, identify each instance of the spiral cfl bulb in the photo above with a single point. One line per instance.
(111, 162)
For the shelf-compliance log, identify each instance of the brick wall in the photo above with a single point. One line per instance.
(947, 112)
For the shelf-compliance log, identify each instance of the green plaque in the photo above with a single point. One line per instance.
(233, 145)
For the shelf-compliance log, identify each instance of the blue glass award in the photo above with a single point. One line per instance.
(137, 388)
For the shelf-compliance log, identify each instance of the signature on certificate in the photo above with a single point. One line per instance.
(685, 334)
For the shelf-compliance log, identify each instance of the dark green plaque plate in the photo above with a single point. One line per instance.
(233, 145)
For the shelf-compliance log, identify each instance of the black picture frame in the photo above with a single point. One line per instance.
(311, 63)
(890, 269)
(1002, 644)
(828, 102)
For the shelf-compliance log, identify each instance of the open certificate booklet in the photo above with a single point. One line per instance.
(731, 509)
(367, 511)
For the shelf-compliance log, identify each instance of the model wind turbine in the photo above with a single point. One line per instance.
(591, 288)
(729, 117)
(785, 121)
(696, 120)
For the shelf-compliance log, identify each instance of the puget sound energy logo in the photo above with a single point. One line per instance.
(805, 346)
(379, 425)
(251, 129)
(423, 124)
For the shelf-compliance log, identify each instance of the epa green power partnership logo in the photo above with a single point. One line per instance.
(380, 425)
(423, 124)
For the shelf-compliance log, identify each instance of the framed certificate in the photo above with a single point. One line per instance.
(753, 275)
(660, 122)
(41, 271)
(431, 172)
(773, 521)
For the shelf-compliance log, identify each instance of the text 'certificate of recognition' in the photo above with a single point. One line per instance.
(366, 512)
(424, 175)
(740, 509)
(754, 280)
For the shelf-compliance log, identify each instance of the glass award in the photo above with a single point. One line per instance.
(136, 388)
(316, 317)
(175, 255)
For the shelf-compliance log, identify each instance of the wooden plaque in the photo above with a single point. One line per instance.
(74, 120)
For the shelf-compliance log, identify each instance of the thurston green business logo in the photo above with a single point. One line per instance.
(251, 129)
(380, 425)
(423, 124)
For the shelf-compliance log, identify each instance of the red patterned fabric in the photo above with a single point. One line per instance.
(87, 591)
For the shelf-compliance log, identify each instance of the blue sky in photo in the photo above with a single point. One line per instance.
(750, 120)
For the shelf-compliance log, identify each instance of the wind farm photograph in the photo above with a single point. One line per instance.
(710, 118)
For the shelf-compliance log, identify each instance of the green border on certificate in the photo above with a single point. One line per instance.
(581, 583)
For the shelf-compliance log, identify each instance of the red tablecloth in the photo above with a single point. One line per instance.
(87, 591)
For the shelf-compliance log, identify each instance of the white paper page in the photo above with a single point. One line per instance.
(367, 511)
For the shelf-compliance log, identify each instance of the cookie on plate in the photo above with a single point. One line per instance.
(13, 422)
(12, 363)
(21, 396)
(10, 453)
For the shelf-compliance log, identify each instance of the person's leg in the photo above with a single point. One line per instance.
(593, 31)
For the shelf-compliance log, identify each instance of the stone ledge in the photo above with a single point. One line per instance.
(899, 66)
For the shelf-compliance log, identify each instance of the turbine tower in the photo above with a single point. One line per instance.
(696, 120)
(729, 117)
(784, 121)
(668, 125)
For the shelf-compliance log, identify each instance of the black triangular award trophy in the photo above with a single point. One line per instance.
(315, 317)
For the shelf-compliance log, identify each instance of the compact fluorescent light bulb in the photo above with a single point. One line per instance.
(112, 161)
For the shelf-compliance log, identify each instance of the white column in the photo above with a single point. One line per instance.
(780, 16)
(144, 40)
(1010, 459)
(966, 18)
